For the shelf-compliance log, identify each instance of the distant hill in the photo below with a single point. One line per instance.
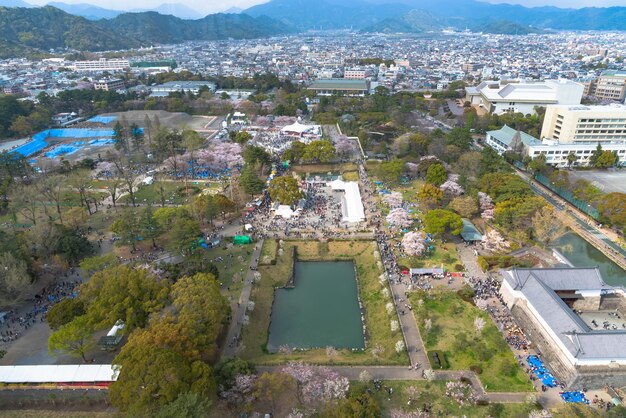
(14, 3)
(43, 28)
(461, 14)
(325, 14)
(174, 9)
(152, 27)
(48, 27)
(233, 10)
(415, 21)
(88, 11)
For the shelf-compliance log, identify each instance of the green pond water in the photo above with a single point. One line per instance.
(321, 310)
(582, 254)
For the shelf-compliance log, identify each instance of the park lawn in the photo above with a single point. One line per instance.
(232, 269)
(174, 193)
(454, 333)
(433, 394)
(268, 252)
(444, 254)
(255, 334)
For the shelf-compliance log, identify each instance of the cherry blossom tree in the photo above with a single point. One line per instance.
(220, 156)
(451, 186)
(413, 243)
(395, 326)
(486, 205)
(344, 146)
(411, 168)
(263, 121)
(462, 393)
(242, 390)
(393, 199)
(284, 120)
(105, 169)
(493, 241)
(398, 218)
(399, 413)
(479, 324)
(317, 383)
(399, 346)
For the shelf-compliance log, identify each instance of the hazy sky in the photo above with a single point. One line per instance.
(213, 6)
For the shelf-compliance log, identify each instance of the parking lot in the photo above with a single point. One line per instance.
(607, 181)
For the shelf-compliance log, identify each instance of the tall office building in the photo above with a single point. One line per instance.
(611, 85)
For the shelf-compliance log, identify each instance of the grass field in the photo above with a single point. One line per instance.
(432, 394)
(176, 193)
(453, 332)
(381, 340)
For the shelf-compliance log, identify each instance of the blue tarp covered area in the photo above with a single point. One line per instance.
(75, 133)
(541, 372)
(31, 147)
(66, 149)
(574, 397)
(102, 119)
(39, 139)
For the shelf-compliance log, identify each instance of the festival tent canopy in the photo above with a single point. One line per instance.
(242, 239)
(351, 203)
(65, 373)
(284, 211)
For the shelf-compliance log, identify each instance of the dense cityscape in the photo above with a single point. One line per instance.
(310, 222)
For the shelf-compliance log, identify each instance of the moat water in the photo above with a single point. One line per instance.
(321, 310)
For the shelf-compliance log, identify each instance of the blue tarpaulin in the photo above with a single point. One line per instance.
(574, 397)
(102, 119)
(40, 142)
(541, 372)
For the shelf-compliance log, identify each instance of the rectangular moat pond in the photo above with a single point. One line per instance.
(321, 310)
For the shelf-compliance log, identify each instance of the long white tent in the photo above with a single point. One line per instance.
(351, 204)
(66, 373)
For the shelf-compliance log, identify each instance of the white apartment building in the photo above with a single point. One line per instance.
(102, 64)
(611, 85)
(508, 139)
(522, 97)
(575, 124)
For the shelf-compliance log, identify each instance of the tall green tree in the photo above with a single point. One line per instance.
(74, 338)
(14, 280)
(250, 181)
(285, 190)
(436, 174)
(440, 221)
(320, 151)
(127, 228)
(123, 293)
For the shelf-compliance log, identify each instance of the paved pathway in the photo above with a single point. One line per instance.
(468, 258)
(234, 330)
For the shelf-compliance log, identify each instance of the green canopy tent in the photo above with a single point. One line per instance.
(242, 240)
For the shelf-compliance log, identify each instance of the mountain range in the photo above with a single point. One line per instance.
(43, 28)
(393, 15)
(24, 28)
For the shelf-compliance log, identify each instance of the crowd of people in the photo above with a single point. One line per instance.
(15, 322)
